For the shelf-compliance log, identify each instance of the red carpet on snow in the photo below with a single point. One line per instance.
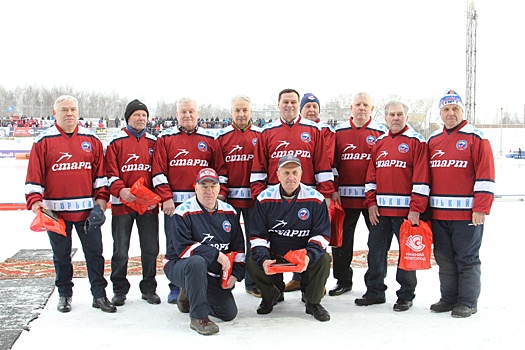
(19, 268)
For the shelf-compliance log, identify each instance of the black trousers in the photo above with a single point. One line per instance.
(148, 230)
(318, 273)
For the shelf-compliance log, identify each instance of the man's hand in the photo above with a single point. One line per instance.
(373, 214)
(265, 265)
(126, 195)
(231, 282)
(36, 206)
(335, 196)
(327, 201)
(413, 216)
(306, 262)
(103, 204)
(168, 207)
(478, 218)
(224, 261)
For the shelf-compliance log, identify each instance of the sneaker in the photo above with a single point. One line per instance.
(255, 292)
(366, 301)
(64, 304)
(293, 285)
(172, 297)
(402, 305)
(104, 304)
(151, 297)
(118, 299)
(183, 303)
(463, 311)
(319, 312)
(204, 326)
(267, 305)
(442, 306)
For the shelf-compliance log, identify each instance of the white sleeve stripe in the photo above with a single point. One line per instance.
(260, 242)
(101, 182)
(187, 253)
(30, 188)
(370, 187)
(484, 186)
(321, 240)
(324, 176)
(421, 189)
(159, 179)
(240, 258)
(112, 179)
(254, 177)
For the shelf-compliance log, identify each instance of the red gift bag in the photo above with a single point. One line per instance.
(226, 274)
(415, 246)
(145, 197)
(295, 262)
(46, 220)
(337, 216)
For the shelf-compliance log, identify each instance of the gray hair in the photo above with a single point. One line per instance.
(241, 98)
(187, 100)
(396, 103)
(64, 98)
(363, 94)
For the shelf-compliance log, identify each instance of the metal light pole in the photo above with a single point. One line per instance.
(501, 133)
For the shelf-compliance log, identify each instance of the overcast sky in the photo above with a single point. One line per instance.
(213, 50)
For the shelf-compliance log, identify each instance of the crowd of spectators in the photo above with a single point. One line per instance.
(23, 121)
(155, 126)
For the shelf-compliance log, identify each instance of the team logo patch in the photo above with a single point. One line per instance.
(226, 226)
(254, 141)
(462, 145)
(305, 137)
(403, 148)
(203, 147)
(150, 151)
(303, 214)
(371, 140)
(86, 146)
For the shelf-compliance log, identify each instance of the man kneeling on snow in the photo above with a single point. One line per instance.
(287, 217)
(204, 231)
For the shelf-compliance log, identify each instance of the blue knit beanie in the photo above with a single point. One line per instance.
(309, 97)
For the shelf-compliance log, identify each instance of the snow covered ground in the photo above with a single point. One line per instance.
(498, 323)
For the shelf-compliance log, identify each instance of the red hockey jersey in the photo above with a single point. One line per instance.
(177, 158)
(237, 148)
(66, 173)
(328, 134)
(353, 147)
(127, 160)
(398, 176)
(302, 139)
(462, 172)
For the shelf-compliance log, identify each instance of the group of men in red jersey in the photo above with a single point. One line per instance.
(384, 174)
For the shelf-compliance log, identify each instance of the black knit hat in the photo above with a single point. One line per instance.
(133, 106)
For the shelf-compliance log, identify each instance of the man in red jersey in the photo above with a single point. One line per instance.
(238, 142)
(397, 188)
(180, 152)
(66, 174)
(462, 170)
(128, 158)
(354, 140)
(294, 135)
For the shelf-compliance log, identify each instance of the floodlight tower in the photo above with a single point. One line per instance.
(472, 24)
